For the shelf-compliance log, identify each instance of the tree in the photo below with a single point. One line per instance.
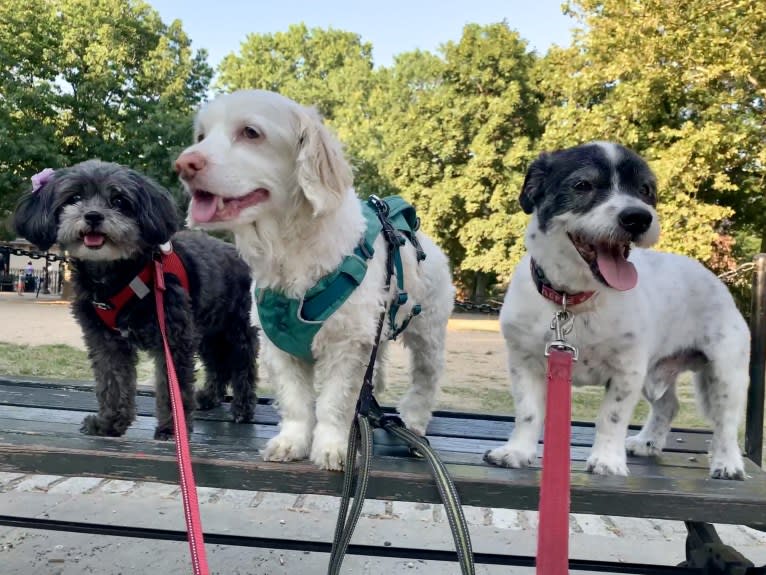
(456, 131)
(84, 79)
(28, 114)
(683, 83)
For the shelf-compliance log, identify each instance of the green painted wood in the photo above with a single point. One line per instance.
(79, 398)
(683, 494)
(252, 438)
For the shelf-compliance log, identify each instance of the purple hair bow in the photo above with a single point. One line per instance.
(41, 178)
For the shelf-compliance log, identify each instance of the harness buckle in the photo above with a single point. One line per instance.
(105, 306)
(378, 204)
(401, 298)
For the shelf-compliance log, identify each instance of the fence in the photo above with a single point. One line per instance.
(35, 283)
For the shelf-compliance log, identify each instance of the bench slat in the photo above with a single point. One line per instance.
(253, 437)
(39, 433)
(683, 494)
(26, 394)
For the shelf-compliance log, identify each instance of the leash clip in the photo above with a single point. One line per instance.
(562, 325)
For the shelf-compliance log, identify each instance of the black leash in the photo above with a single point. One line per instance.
(368, 415)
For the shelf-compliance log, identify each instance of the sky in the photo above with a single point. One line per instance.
(392, 26)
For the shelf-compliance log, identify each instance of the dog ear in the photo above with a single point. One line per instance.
(156, 213)
(35, 215)
(533, 183)
(323, 173)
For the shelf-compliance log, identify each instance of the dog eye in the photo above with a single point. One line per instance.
(251, 133)
(200, 137)
(583, 186)
(119, 203)
(646, 190)
(74, 199)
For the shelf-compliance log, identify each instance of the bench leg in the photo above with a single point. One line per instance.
(706, 552)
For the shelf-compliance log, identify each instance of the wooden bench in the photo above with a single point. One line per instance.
(39, 433)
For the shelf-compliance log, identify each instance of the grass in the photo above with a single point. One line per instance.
(55, 361)
(62, 361)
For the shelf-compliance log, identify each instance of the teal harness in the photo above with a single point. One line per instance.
(292, 323)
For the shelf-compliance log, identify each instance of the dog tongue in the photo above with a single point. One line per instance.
(618, 272)
(93, 240)
(203, 207)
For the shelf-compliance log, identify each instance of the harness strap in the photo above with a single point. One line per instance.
(185, 471)
(395, 239)
(360, 438)
(553, 531)
(139, 287)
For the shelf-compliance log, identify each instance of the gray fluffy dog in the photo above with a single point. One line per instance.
(111, 220)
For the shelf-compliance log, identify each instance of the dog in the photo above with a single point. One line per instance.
(111, 220)
(267, 169)
(651, 315)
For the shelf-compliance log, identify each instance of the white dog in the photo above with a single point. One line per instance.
(652, 315)
(267, 169)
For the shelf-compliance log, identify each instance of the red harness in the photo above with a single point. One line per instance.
(140, 287)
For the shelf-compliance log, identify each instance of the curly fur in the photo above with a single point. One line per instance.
(282, 185)
(133, 215)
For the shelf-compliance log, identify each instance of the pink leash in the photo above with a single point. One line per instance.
(553, 530)
(188, 486)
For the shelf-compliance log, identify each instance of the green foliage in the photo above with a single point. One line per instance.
(458, 131)
(682, 83)
(84, 79)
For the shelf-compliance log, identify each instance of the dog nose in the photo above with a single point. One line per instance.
(635, 220)
(188, 164)
(94, 218)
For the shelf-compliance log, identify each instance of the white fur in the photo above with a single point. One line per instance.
(623, 338)
(310, 222)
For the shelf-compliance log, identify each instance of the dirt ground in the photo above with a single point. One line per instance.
(476, 369)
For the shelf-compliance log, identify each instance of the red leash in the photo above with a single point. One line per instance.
(188, 486)
(553, 529)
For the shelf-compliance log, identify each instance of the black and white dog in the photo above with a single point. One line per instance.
(650, 317)
(111, 220)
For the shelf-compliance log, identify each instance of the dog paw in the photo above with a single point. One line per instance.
(637, 445)
(242, 413)
(511, 456)
(607, 464)
(163, 434)
(94, 425)
(731, 467)
(415, 420)
(329, 449)
(286, 447)
(207, 400)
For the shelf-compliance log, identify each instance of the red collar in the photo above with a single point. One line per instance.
(546, 290)
(139, 287)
